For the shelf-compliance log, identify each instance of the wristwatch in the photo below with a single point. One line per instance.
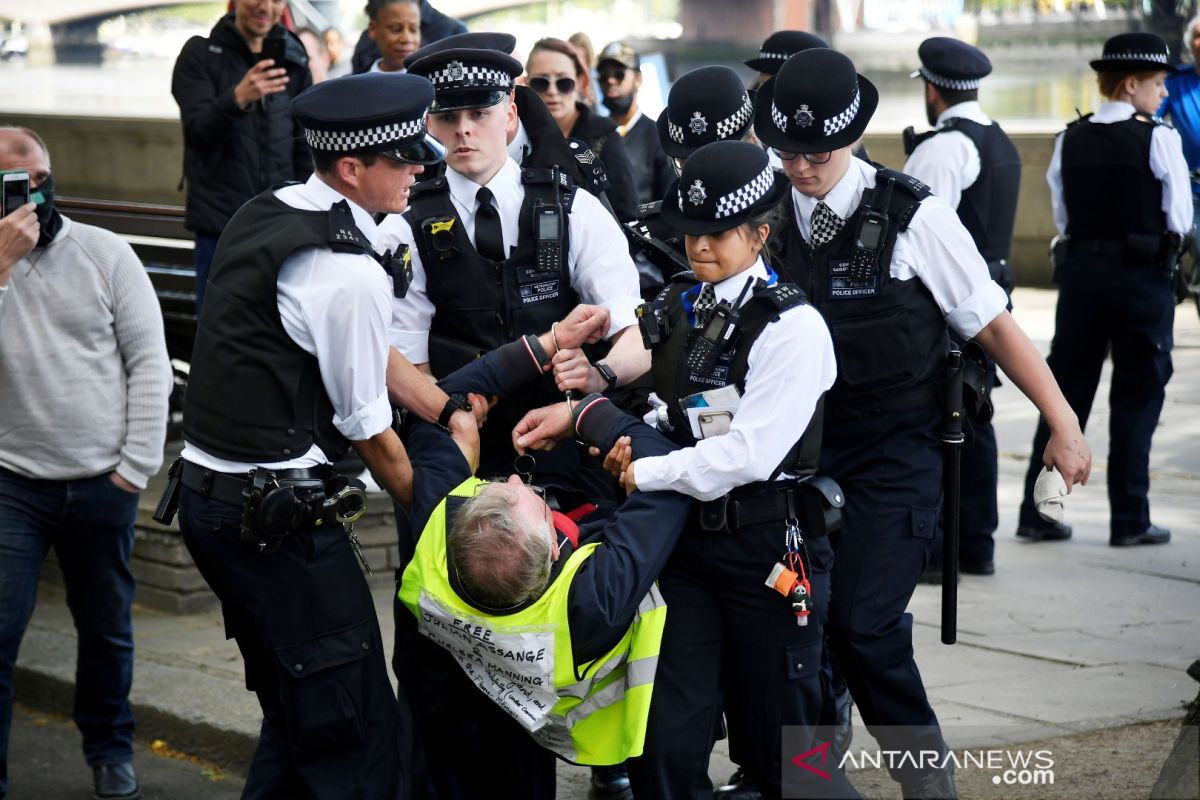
(606, 372)
(455, 402)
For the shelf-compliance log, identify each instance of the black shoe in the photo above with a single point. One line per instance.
(738, 788)
(1152, 535)
(938, 783)
(1048, 532)
(115, 782)
(843, 727)
(610, 783)
(977, 567)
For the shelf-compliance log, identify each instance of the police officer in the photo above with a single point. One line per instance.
(496, 572)
(705, 105)
(778, 48)
(968, 161)
(742, 412)
(287, 372)
(1115, 279)
(499, 251)
(891, 268)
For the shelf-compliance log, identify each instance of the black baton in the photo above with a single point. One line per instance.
(952, 438)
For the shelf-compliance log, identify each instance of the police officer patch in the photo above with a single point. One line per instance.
(696, 193)
(805, 117)
(698, 124)
(455, 70)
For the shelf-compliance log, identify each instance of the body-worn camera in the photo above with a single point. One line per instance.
(654, 323)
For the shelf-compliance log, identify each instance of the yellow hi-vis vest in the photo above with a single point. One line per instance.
(523, 661)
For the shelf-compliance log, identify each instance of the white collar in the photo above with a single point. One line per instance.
(377, 67)
(969, 110)
(729, 288)
(843, 198)
(628, 126)
(503, 184)
(520, 143)
(323, 196)
(1113, 111)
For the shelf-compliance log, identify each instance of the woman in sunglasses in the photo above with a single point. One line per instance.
(559, 78)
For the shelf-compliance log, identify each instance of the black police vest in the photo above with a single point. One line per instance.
(1108, 188)
(673, 381)
(889, 335)
(988, 207)
(254, 395)
(482, 304)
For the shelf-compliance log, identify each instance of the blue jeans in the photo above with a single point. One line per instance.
(89, 523)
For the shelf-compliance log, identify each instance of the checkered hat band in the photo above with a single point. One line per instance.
(728, 126)
(675, 132)
(748, 195)
(468, 77)
(349, 141)
(1161, 58)
(774, 56)
(777, 117)
(843, 120)
(957, 84)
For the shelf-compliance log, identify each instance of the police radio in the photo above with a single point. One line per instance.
(547, 229)
(716, 335)
(868, 241)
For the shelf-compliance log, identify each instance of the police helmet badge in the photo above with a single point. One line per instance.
(455, 70)
(698, 123)
(696, 193)
(805, 117)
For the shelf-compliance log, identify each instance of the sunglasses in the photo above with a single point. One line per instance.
(812, 158)
(606, 75)
(541, 84)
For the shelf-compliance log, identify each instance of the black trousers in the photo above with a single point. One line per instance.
(305, 623)
(1110, 308)
(471, 747)
(729, 637)
(890, 467)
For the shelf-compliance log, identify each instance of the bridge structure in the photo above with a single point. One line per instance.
(703, 20)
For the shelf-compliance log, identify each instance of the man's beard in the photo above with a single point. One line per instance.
(618, 105)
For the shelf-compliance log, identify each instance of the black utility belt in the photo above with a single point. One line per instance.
(232, 487)
(814, 503)
(274, 503)
(926, 395)
(1143, 254)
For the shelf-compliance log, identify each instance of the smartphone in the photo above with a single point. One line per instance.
(273, 49)
(15, 191)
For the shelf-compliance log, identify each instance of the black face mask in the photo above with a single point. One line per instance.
(618, 105)
(49, 220)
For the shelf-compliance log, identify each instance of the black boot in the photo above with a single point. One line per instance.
(739, 788)
(115, 782)
(610, 783)
(937, 784)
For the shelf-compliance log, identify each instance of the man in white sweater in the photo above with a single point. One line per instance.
(84, 380)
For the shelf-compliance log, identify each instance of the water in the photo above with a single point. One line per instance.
(1023, 99)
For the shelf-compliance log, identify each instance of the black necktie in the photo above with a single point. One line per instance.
(489, 235)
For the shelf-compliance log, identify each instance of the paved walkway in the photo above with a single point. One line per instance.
(1064, 637)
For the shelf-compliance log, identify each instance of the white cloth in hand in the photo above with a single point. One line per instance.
(1048, 494)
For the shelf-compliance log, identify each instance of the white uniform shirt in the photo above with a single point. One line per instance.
(521, 145)
(335, 306)
(949, 162)
(790, 365)
(601, 271)
(935, 248)
(1166, 162)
